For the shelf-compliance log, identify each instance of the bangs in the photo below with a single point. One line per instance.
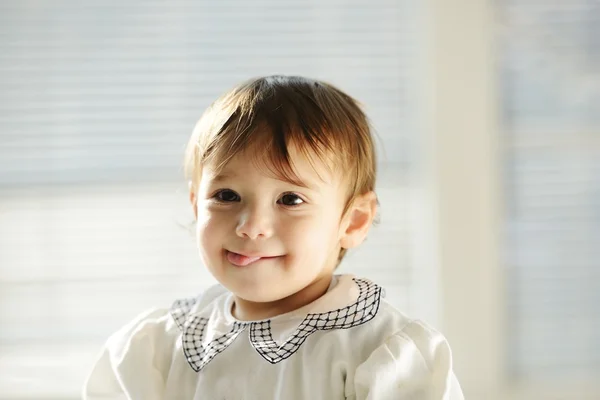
(265, 123)
(269, 154)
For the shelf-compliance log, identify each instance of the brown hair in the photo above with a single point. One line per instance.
(266, 115)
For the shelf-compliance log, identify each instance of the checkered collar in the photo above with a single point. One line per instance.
(351, 302)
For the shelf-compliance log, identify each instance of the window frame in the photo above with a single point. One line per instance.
(462, 162)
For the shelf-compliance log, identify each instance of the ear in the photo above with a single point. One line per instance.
(358, 220)
(193, 199)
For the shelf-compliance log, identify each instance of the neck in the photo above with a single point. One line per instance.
(245, 310)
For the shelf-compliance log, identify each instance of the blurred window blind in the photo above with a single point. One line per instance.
(97, 101)
(551, 94)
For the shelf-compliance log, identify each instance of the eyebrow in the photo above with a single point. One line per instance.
(221, 177)
(229, 175)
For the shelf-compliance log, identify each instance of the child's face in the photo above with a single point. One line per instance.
(263, 238)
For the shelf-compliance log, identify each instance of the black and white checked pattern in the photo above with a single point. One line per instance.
(361, 311)
(181, 309)
(199, 354)
(196, 353)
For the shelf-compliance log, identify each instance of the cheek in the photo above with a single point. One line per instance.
(317, 233)
(211, 230)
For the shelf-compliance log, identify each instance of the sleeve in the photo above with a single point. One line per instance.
(135, 360)
(415, 363)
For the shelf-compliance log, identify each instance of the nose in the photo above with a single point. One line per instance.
(255, 223)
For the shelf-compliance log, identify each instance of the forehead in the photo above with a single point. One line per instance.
(306, 170)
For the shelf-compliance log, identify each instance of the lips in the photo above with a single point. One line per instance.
(241, 260)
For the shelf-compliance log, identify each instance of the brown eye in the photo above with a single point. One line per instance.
(227, 196)
(290, 199)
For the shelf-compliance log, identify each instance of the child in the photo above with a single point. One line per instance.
(282, 178)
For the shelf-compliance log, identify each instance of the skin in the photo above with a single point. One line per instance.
(245, 212)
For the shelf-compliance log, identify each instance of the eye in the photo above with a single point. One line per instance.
(290, 199)
(226, 196)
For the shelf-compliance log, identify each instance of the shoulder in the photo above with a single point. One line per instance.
(359, 310)
(414, 358)
(413, 362)
(158, 328)
(399, 335)
(145, 347)
(389, 324)
(391, 321)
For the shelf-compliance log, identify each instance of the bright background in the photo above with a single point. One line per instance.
(489, 119)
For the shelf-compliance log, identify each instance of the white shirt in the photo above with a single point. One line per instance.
(348, 344)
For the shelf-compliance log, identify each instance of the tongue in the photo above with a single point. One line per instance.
(240, 260)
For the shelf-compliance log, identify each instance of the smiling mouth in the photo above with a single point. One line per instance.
(241, 260)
